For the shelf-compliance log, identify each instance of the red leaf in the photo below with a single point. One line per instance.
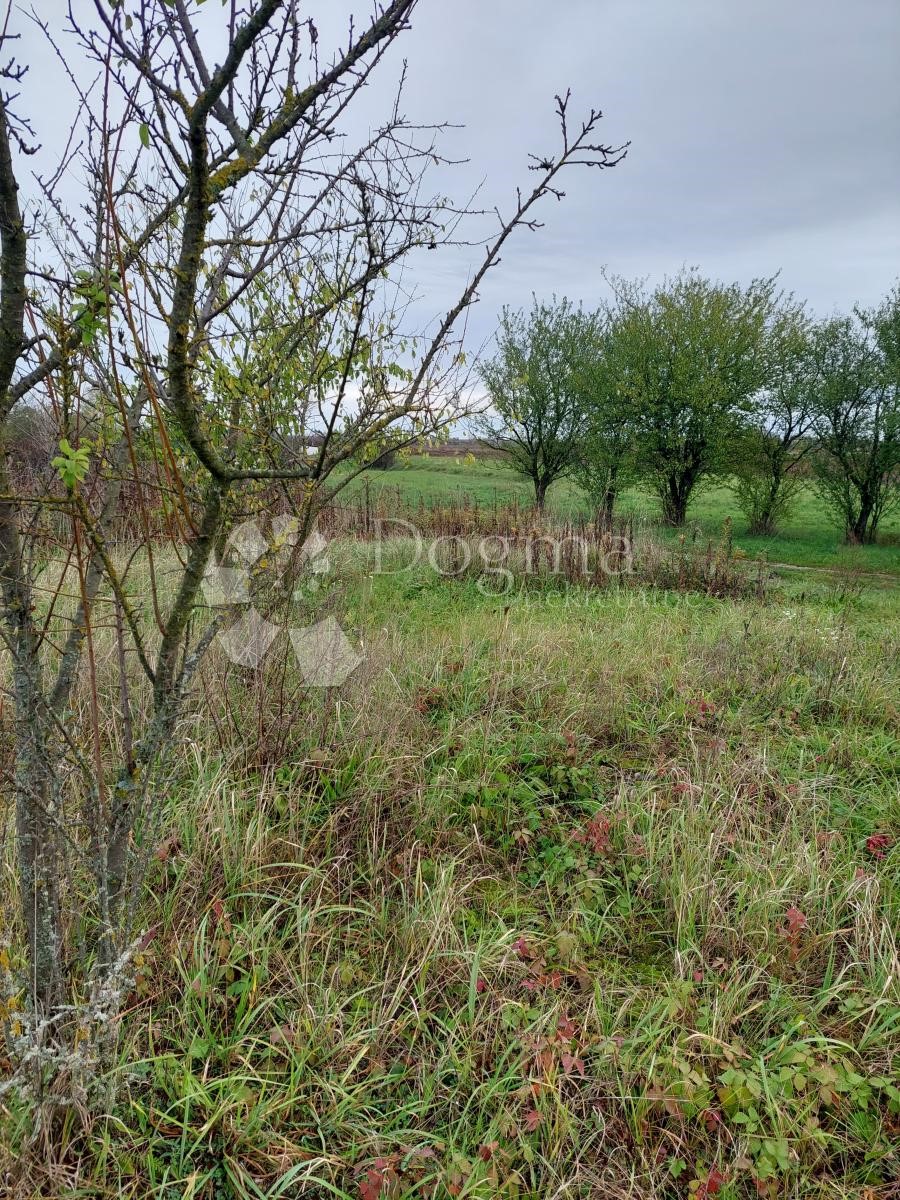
(595, 835)
(713, 1183)
(571, 1063)
(486, 1152)
(166, 849)
(796, 920)
(567, 1028)
(221, 916)
(370, 1187)
(379, 1176)
(545, 1060)
(532, 1119)
(878, 843)
(147, 938)
(522, 949)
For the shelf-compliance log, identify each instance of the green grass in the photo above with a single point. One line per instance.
(566, 893)
(809, 537)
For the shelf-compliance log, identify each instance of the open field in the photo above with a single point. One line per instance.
(565, 893)
(810, 537)
(378, 822)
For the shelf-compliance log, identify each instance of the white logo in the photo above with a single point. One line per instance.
(324, 654)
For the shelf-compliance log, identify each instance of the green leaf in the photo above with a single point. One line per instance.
(71, 464)
(144, 132)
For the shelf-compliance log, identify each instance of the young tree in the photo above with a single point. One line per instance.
(857, 418)
(691, 355)
(537, 391)
(223, 293)
(606, 460)
(778, 436)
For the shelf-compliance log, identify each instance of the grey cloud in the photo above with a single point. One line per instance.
(764, 135)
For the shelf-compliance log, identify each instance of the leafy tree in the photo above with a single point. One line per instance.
(778, 437)
(537, 391)
(691, 356)
(385, 461)
(606, 460)
(857, 418)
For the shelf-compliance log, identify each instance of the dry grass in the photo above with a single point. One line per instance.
(565, 894)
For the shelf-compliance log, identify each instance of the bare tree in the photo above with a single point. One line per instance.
(224, 292)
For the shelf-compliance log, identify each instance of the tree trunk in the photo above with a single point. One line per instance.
(763, 523)
(36, 790)
(38, 809)
(675, 496)
(608, 506)
(540, 492)
(862, 531)
(38, 806)
(37, 845)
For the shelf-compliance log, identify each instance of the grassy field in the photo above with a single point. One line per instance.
(810, 537)
(566, 893)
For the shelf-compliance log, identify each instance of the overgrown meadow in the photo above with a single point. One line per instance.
(384, 825)
(568, 891)
(809, 534)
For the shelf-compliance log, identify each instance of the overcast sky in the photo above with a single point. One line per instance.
(764, 136)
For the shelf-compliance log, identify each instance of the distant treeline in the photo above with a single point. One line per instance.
(697, 380)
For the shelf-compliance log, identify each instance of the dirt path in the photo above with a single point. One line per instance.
(888, 576)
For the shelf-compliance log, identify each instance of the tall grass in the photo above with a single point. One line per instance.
(569, 893)
(808, 536)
